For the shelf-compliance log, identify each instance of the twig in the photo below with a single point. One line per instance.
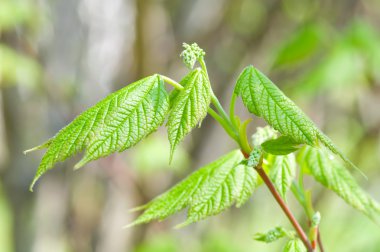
(314, 238)
(285, 208)
(320, 244)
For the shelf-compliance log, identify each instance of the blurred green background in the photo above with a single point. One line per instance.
(58, 57)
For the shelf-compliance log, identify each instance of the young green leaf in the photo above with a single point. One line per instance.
(272, 235)
(333, 175)
(208, 191)
(114, 124)
(294, 245)
(189, 106)
(280, 146)
(266, 100)
(282, 171)
(263, 134)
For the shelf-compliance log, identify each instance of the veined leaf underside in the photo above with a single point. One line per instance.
(266, 100)
(333, 175)
(208, 191)
(114, 124)
(189, 106)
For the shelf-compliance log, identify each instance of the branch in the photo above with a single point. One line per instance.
(284, 207)
(320, 244)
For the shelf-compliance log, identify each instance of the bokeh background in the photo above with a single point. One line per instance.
(58, 57)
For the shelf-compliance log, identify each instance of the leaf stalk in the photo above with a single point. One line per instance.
(172, 82)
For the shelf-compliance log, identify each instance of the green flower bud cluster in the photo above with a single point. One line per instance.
(254, 157)
(191, 54)
(273, 235)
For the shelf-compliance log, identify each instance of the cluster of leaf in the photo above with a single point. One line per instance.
(208, 191)
(265, 100)
(125, 117)
(215, 187)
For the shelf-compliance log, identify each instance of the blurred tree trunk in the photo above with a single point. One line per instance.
(15, 177)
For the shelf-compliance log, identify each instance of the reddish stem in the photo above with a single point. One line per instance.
(285, 208)
(314, 240)
(320, 244)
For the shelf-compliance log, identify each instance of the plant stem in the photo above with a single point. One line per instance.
(301, 198)
(232, 108)
(320, 244)
(238, 134)
(305, 200)
(313, 236)
(285, 208)
(219, 108)
(172, 82)
(243, 137)
(203, 65)
(223, 123)
(214, 99)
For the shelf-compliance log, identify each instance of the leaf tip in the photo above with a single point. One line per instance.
(352, 165)
(172, 149)
(138, 208)
(33, 183)
(334, 149)
(39, 147)
(136, 222)
(80, 164)
(129, 225)
(183, 224)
